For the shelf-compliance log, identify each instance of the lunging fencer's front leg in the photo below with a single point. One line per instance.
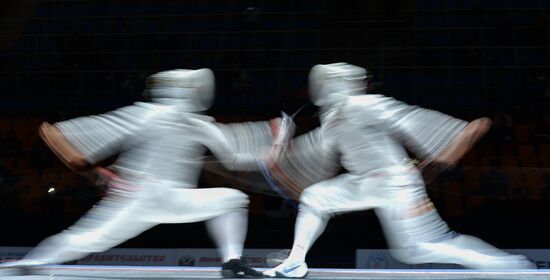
(310, 224)
(229, 233)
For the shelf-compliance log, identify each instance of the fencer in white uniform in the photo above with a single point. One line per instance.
(161, 145)
(363, 130)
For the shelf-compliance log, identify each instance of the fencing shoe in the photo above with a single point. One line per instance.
(288, 269)
(238, 268)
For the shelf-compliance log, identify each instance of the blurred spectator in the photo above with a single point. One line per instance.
(11, 146)
(543, 131)
(495, 182)
(6, 176)
(506, 35)
(2, 140)
(238, 78)
(543, 97)
(503, 128)
(521, 194)
(85, 194)
(535, 34)
(9, 194)
(473, 56)
(40, 157)
(132, 85)
(392, 8)
(240, 82)
(456, 174)
(546, 187)
(284, 211)
(252, 16)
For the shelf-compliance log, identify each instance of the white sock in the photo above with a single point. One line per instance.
(229, 233)
(308, 228)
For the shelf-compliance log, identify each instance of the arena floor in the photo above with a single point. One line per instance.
(78, 272)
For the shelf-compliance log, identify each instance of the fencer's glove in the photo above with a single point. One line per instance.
(286, 130)
(282, 130)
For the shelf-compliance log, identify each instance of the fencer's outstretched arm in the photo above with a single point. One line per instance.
(237, 146)
(306, 160)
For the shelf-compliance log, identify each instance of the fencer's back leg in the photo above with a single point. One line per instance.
(102, 228)
(421, 236)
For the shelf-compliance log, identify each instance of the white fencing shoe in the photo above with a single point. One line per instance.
(288, 270)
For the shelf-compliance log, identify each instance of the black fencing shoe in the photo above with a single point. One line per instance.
(238, 268)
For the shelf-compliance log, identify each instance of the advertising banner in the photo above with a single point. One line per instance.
(210, 257)
(382, 259)
(123, 256)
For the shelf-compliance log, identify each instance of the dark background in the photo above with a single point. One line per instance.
(467, 58)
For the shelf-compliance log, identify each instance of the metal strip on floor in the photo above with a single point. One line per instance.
(77, 272)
